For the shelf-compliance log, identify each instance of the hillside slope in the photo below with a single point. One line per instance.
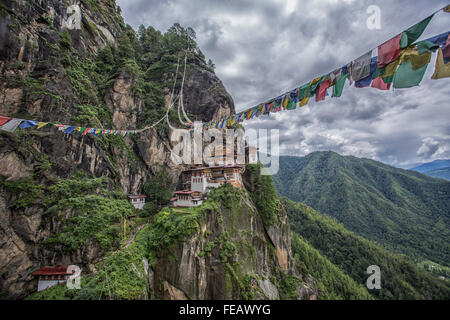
(400, 279)
(400, 209)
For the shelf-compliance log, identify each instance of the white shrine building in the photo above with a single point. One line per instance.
(137, 201)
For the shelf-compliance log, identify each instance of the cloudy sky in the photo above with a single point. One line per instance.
(266, 47)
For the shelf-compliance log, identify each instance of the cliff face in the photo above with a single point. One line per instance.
(232, 256)
(63, 196)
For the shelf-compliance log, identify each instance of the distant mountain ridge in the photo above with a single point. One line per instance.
(436, 168)
(433, 165)
(401, 209)
(350, 255)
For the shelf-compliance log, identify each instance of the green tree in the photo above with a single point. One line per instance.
(158, 188)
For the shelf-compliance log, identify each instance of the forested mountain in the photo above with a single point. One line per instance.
(400, 279)
(400, 209)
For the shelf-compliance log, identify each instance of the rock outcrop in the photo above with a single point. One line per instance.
(232, 256)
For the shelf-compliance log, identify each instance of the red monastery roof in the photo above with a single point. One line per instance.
(51, 271)
(184, 192)
(138, 196)
(215, 167)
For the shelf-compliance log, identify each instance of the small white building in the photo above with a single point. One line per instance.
(187, 198)
(137, 201)
(51, 276)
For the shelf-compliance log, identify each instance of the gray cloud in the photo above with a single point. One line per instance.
(266, 47)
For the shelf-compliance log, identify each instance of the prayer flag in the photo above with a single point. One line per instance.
(28, 123)
(315, 83)
(41, 124)
(339, 85)
(367, 80)
(413, 33)
(4, 120)
(303, 92)
(446, 51)
(360, 68)
(441, 69)
(322, 90)
(406, 77)
(389, 51)
(380, 84)
(11, 125)
(336, 75)
(291, 105)
(70, 129)
(304, 102)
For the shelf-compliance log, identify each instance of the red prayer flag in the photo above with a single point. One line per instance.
(446, 51)
(321, 91)
(4, 120)
(389, 51)
(379, 84)
(85, 131)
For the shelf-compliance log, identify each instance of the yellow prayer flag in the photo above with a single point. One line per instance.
(316, 80)
(304, 102)
(41, 124)
(391, 68)
(417, 60)
(285, 102)
(441, 69)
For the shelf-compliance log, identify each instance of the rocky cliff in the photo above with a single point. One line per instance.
(63, 196)
(233, 255)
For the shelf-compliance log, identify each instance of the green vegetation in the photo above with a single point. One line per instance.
(87, 209)
(263, 194)
(353, 254)
(94, 218)
(435, 269)
(159, 187)
(400, 209)
(93, 116)
(122, 275)
(25, 191)
(65, 40)
(333, 283)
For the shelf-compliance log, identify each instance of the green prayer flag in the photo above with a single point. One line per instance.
(291, 105)
(304, 92)
(379, 72)
(388, 79)
(339, 85)
(413, 33)
(276, 104)
(406, 77)
(425, 46)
